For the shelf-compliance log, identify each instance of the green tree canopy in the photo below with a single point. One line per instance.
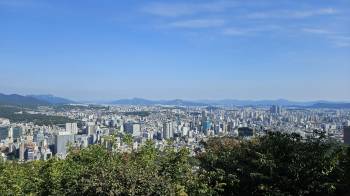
(275, 164)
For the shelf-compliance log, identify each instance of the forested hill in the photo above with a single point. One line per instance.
(20, 100)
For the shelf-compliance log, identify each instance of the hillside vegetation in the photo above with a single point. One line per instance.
(276, 164)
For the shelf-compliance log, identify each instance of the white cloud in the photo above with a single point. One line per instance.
(233, 31)
(340, 41)
(309, 13)
(282, 14)
(244, 22)
(336, 38)
(316, 31)
(198, 23)
(181, 9)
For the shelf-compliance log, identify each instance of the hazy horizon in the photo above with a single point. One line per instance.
(246, 50)
(97, 100)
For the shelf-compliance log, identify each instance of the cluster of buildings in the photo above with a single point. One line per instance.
(184, 126)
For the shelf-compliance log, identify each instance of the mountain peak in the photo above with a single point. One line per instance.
(52, 99)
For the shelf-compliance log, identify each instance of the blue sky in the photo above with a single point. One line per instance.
(107, 49)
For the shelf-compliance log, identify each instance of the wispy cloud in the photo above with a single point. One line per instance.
(182, 9)
(336, 38)
(309, 13)
(198, 23)
(316, 31)
(237, 18)
(340, 41)
(294, 14)
(234, 31)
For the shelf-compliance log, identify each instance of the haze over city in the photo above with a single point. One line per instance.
(105, 50)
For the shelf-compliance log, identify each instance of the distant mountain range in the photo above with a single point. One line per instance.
(34, 100)
(331, 105)
(15, 99)
(140, 101)
(232, 102)
(52, 99)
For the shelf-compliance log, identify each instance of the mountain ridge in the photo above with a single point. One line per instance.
(52, 99)
(15, 99)
(231, 102)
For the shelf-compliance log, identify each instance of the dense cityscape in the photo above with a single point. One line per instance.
(128, 127)
(178, 98)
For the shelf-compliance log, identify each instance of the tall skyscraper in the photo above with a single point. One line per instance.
(21, 151)
(206, 123)
(168, 130)
(10, 134)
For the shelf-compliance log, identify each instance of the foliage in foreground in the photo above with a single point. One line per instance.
(276, 164)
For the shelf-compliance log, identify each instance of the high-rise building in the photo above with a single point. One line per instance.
(217, 128)
(168, 130)
(29, 153)
(230, 126)
(10, 134)
(133, 128)
(91, 129)
(206, 123)
(72, 128)
(21, 151)
(61, 143)
(38, 137)
(275, 109)
(346, 134)
(347, 123)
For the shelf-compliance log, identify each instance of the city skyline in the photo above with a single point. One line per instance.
(189, 50)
